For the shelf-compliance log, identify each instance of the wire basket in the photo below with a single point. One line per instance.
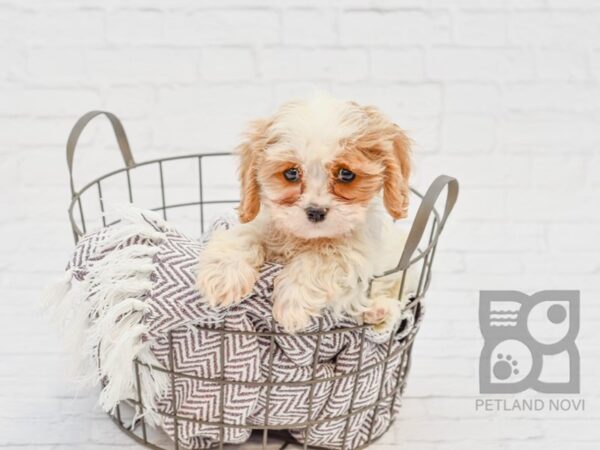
(189, 199)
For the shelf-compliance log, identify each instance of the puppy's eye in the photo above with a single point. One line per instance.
(292, 175)
(346, 176)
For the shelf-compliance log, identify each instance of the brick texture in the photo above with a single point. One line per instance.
(503, 94)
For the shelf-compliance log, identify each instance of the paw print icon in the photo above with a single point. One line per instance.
(529, 342)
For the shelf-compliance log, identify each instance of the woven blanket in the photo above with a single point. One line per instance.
(129, 294)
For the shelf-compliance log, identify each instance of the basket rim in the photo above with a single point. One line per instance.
(76, 200)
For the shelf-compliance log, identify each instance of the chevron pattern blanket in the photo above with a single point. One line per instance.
(128, 295)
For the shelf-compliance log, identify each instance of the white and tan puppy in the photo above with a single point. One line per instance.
(312, 178)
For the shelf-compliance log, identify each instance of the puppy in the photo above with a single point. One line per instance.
(316, 180)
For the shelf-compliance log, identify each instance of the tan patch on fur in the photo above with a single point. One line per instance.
(284, 192)
(396, 192)
(251, 152)
(388, 143)
(368, 180)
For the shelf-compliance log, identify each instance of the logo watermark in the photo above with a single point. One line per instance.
(529, 342)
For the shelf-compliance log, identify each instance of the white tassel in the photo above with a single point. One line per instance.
(104, 314)
(55, 292)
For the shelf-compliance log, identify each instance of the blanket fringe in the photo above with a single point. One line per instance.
(101, 317)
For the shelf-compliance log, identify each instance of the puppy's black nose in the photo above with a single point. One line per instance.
(316, 214)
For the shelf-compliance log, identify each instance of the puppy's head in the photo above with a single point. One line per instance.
(316, 165)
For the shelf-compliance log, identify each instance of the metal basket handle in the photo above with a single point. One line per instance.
(78, 129)
(423, 213)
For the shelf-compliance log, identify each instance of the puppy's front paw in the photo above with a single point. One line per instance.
(383, 313)
(224, 283)
(290, 307)
(292, 319)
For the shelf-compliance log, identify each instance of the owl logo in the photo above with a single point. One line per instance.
(529, 342)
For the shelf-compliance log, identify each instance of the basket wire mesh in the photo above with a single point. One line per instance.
(419, 250)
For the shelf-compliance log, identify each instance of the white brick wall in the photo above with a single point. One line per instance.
(503, 94)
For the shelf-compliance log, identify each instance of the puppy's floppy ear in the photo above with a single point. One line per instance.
(250, 151)
(393, 148)
(396, 191)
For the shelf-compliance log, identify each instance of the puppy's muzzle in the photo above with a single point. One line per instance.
(316, 214)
